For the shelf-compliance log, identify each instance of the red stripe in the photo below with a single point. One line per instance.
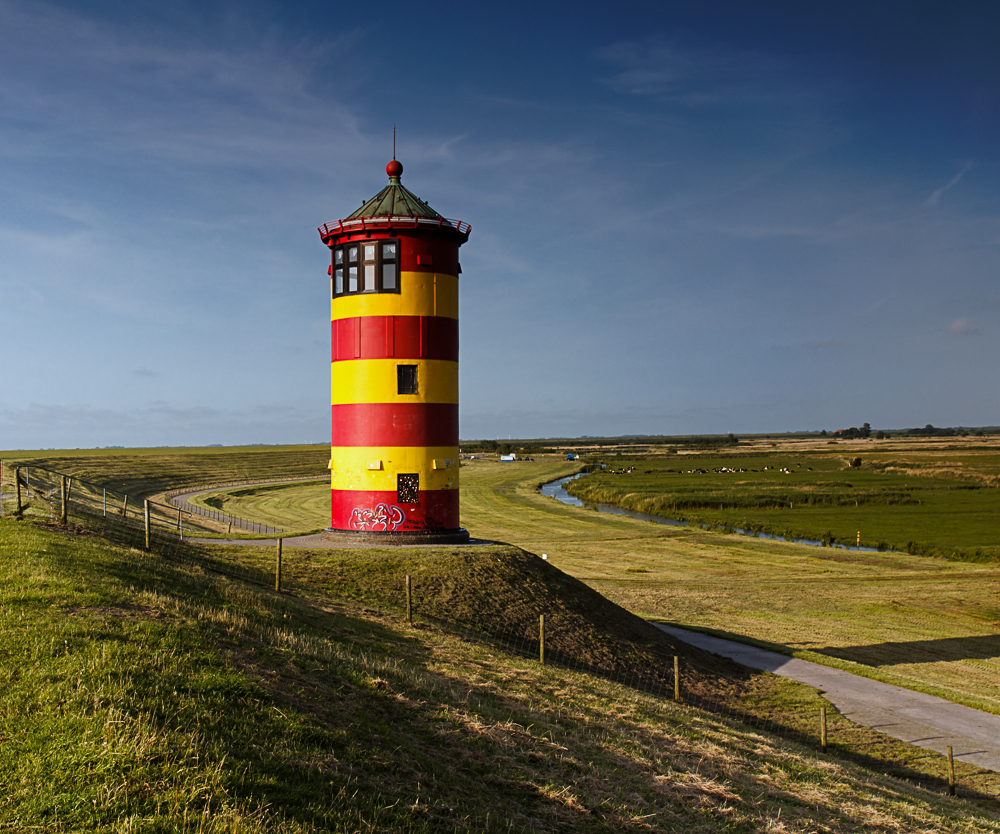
(378, 510)
(395, 424)
(428, 253)
(420, 250)
(394, 337)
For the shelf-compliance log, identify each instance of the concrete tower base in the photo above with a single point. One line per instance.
(401, 538)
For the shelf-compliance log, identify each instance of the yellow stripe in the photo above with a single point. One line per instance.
(376, 381)
(355, 468)
(421, 294)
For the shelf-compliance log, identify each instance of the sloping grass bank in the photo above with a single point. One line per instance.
(141, 696)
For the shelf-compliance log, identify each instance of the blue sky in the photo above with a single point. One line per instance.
(686, 217)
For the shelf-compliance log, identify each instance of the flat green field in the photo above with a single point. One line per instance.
(922, 622)
(911, 497)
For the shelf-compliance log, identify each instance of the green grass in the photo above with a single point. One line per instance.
(933, 503)
(923, 623)
(142, 696)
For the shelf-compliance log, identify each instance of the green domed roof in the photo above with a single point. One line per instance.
(394, 200)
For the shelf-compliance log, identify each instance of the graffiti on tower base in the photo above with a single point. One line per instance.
(382, 517)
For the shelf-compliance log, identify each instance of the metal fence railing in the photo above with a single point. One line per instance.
(151, 526)
(179, 498)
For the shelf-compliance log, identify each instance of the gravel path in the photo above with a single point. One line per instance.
(316, 541)
(313, 541)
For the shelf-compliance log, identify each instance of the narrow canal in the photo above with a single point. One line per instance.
(557, 489)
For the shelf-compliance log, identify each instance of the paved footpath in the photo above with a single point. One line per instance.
(913, 717)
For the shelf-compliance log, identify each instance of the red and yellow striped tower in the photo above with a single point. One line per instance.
(394, 321)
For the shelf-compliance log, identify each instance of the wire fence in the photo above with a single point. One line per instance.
(159, 529)
(179, 498)
(653, 663)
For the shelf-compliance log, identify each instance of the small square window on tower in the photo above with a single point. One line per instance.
(406, 379)
(408, 488)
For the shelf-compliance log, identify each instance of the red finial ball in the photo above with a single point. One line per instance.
(394, 168)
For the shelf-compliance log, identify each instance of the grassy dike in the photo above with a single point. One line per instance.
(145, 473)
(142, 696)
(922, 623)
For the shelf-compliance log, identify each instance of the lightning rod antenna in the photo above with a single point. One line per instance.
(393, 141)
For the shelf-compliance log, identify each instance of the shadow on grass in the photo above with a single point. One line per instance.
(979, 647)
(349, 738)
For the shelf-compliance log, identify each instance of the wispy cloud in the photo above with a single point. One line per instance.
(962, 327)
(39, 426)
(240, 99)
(703, 77)
(876, 306)
(936, 196)
(821, 345)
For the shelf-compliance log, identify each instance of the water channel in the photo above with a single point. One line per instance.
(557, 489)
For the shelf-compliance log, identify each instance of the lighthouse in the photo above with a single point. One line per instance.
(394, 463)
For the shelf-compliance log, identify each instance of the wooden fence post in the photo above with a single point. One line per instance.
(105, 503)
(180, 524)
(125, 508)
(277, 569)
(951, 772)
(17, 480)
(409, 600)
(677, 678)
(541, 639)
(822, 730)
(62, 497)
(145, 513)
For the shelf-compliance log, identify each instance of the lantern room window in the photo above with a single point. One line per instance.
(369, 266)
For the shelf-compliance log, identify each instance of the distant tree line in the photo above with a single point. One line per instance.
(637, 444)
(960, 431)
(927, 431)
(630, 444)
